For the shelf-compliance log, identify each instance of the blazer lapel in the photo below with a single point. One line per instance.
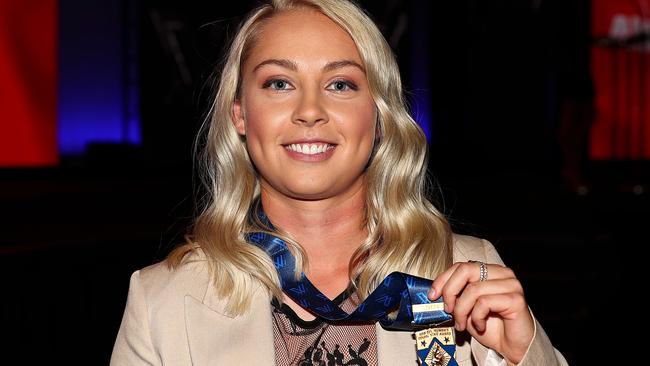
(215, 338)
(395, 348)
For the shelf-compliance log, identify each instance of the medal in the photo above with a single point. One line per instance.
(436, 346)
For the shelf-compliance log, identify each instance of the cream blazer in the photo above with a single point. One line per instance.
(175, 318)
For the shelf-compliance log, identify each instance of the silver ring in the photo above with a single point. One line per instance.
(483, 274)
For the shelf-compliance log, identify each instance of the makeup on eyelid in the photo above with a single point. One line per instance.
(267, 84)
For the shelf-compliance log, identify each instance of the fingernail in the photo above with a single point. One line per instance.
(446, 308)
(457, 326)
(432, 294)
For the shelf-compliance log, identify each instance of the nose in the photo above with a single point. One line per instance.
(310, 110)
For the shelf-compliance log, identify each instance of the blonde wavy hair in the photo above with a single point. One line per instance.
(406, 231)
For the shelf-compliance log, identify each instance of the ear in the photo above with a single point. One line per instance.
(238, 118)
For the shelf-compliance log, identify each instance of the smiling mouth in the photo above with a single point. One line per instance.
(310, 149)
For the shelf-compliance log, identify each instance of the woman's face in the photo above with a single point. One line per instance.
(305, 108)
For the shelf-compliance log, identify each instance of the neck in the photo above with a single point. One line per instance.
(328, 230)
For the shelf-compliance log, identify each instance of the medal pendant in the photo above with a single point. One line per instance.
(436, 346)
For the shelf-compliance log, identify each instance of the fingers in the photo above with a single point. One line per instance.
(451, 283)
(440, 281)
(494, 310)
(503, 304)
(480, 297)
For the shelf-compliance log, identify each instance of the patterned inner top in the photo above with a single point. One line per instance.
(320, 342)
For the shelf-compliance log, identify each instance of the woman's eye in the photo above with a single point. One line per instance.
(277, 84)
(342, 85)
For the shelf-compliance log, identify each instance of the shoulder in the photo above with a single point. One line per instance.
(160, 283)
(472, 248)
(153, 318)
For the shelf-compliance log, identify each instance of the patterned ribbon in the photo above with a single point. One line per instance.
(398, 291)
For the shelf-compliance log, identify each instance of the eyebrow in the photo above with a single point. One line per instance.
(330, 66)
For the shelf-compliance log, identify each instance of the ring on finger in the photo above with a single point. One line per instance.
(483, 271)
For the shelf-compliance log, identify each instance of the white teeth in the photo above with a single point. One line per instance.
(309, 149)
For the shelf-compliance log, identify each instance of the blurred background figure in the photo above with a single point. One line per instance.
(545, 102)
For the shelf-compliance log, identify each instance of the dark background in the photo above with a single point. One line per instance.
(499, 75)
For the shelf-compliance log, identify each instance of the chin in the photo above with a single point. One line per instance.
(308, 195)
(312, 189)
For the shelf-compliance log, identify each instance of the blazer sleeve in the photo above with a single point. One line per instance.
(133, 345)
(540, 351)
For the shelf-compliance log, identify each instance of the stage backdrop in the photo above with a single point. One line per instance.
(63, 65)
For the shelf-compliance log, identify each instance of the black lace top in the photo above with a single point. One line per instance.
(319, 342)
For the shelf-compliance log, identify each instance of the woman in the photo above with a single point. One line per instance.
(308, 127)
